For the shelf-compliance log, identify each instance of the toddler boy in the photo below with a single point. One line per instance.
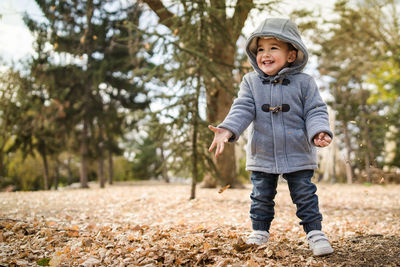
(288, 119)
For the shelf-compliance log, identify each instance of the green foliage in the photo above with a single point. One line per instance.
(147, 162)
(24, 173)
(386, 78)
(44, 262)
(358, 54)
(123, 169)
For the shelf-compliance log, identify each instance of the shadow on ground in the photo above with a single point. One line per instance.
(368, 250)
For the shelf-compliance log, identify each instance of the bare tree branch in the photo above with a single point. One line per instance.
(162, 12)
(242, 11)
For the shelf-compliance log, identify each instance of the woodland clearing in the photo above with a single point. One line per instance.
(154, 224)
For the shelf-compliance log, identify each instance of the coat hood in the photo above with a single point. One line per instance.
(284, 30)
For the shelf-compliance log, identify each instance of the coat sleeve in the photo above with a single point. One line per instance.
(315, 112)
(242, 112)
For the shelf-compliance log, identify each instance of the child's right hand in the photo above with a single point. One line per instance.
(221, 136)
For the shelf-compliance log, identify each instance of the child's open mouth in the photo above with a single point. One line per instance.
(269, 62)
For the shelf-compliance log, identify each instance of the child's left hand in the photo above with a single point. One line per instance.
(322, 139)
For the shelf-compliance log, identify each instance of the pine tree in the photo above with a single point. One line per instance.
(94, 79)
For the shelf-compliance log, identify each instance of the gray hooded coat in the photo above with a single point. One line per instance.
(284, 111)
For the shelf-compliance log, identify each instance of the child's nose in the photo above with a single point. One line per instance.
(266, 54)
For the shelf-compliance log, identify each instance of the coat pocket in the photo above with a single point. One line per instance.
(296, 142)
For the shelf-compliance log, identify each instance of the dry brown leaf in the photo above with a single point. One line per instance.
(206, 246)
(222, 189)
(268, 252)
(252, 263)
(56, 261)
(160, 227)
(51, 223)
(240, 245)
(282, 253)
(222, 263)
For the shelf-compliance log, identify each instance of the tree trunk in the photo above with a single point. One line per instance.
(84, 155)
(164, 170)
(56, 174)
(110, 168)
(365, 136)
(45, 168)
(195, 172)
(69, 181)
(195, 122)
(349, 170)
(102, 179)
(86, 41)
(2, 170)
(367, 167)
(219, 100)
(101, 172)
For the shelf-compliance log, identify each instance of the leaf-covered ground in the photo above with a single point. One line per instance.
(156, 225)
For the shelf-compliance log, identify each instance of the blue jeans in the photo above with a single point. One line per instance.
(302, 191)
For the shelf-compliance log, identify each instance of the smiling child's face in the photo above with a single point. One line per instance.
(273, 55)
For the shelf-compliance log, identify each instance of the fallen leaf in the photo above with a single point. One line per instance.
(56, 260)
(221, 190)
(91, 262)
(206, 246)
(282, 253)
(268, 252)
(251, 263)
(240, 245)
(222, 263)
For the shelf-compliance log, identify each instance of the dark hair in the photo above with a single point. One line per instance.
(291, 47)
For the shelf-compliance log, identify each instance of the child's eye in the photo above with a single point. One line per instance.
(274, 48)
(260, 49)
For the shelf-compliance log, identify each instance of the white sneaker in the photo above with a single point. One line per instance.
(258, 237)
(319, 243)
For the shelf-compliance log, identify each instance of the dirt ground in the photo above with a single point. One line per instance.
(156, 225)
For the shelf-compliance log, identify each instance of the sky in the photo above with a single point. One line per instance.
(16, 40)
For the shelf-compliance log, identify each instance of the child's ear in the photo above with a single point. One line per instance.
(292, 56)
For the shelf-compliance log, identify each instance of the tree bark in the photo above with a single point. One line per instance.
(84, 155)
(86, 39)
(349, 169)
(2, 170)
(110, 168)
(164, 170)
(45, 167)
(219, 101)
(101, 158)
(195, 172)
(195, 122)
(101, 172)
(69, 181)
(57, 174)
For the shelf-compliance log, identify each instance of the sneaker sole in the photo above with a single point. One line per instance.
(322, 251)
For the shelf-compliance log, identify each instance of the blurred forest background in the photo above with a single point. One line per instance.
(124, 90)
